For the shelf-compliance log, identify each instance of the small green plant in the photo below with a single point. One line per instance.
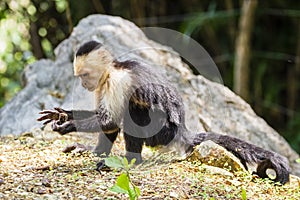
(298, 160)
(123, 185)
(244, 194)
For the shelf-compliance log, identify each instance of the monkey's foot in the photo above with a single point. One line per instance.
(101, 166)
(76, 148)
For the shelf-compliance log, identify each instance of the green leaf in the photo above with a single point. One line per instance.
(125, 163)
(123, 181)
(137, 190)
(122, 185)
(244, 194)
(114, 162)
(298, 160)
(132, 162)
(117, 189)
(134, 192)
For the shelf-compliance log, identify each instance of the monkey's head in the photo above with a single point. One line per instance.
(91, 61)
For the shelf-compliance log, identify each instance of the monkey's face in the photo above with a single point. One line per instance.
(90, 79)
(90, 68)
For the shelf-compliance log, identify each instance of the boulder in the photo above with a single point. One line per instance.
(212, 154)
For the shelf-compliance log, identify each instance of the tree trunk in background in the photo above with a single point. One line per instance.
(98, 6)
(231, 23)
(68, 17)
(293, 75)
(35, 41)
(242, 49)
(137, 8)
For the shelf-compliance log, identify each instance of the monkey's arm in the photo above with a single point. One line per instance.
(59, 114)
(98, 121)
(80, 114)
(249, 153)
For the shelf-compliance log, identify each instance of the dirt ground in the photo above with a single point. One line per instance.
(33, 166)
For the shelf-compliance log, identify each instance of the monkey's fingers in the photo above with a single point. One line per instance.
(69, 148)
(47, 112)
(52, 116)
(60, 110)
(42, 118)
(76, 148)
(45, 117)
(101, 166)
(48, 121)
(63, 128)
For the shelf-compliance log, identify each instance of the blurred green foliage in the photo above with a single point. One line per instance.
(30, 30)
(14, 47)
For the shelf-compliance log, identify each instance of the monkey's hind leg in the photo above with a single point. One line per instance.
(134, 147)
(103, 148)
(105, 143)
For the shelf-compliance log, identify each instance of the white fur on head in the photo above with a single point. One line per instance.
(110, 84)
(98, 59)
(92, 66)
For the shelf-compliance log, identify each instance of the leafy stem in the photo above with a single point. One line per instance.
(124, 184)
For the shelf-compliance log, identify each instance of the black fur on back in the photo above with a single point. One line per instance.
(128, 64)
(87, 47)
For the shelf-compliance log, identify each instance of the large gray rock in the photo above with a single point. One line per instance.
(209, 106)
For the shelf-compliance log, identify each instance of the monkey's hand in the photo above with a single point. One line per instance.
(58, 114)
(77, 148)
(66, 127)
(101, 166)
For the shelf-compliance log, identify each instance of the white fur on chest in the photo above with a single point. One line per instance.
(114, 93)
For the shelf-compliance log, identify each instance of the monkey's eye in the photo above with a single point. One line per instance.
(84, 75)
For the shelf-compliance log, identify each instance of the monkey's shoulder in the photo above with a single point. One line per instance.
(141, 69)
(149, 85)
(127, 64)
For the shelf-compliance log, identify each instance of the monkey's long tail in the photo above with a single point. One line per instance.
(249, 153)
(231, 144)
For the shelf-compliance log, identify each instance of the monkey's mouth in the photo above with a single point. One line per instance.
(90, 89)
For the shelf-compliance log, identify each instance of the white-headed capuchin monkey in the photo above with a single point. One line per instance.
(133, 96)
